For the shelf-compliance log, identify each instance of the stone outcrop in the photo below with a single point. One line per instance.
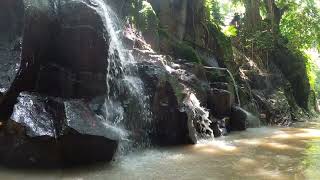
(63, 71)
(53, 132)
(170, 124)
(184, 109)
(238, 119)
(11, 16)
(220, 102)
(63, 49)
(266, 92)
(11, 26)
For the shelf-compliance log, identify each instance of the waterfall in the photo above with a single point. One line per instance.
(232, 79)
(126, 102)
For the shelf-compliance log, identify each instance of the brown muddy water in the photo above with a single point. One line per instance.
(258, 153)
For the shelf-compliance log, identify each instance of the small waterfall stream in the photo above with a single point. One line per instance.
(125, 96)
(232, 79)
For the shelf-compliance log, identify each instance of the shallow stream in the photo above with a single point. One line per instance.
(258, 153)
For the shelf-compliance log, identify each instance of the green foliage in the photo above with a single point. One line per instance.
(261, 40)
(311, 160)
(311, 71)
(213, 11)
(301, 23)
(179, 49)
(143, 16)
(184, 51)
(224, 41)
(317, 83)
(213, 22)
(231, 31)
(299, 30)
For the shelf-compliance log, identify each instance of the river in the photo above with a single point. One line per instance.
(258, 153)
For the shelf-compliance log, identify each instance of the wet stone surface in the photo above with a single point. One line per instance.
(56, 132)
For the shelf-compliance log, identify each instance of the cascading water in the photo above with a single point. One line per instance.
(125, 103)
(232, 79)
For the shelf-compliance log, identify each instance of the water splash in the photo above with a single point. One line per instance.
(197, 115)
(253, 121)
(125, 89)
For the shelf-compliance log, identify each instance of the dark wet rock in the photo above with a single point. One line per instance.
(238, 119)
(275, 107)
(219, 126)
(11, 19)
(189, 85)
(199, 116)
(266, 89)
(53, 132)
(66, 50)
(9, 65)
(11, 26)
(219, 102)
(64, 59)
(170, 124)
(176, 78)
(60, 49)
(217, 132)
(293, 68)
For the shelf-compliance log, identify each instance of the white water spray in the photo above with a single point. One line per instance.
(123, 83)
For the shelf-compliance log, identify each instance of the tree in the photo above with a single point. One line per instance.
(252, 15)
(300, 24)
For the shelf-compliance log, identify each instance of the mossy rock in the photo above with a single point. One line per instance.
(293, 67)
(184, 51)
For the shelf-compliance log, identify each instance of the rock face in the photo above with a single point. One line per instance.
(11, 25)
(184, 19)
(220, 101)
(170, 125)
(66, 50)
(63, 69)
(54, 132)
(11, 16)
(61, 49)
(238, 120)
(301, 88)
(266, 92)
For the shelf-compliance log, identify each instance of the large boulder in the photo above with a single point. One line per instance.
(53, 132)
(219, 102)
(68, 49)
(64, 61)
(65, 45)
(170, 125)
(238, 119)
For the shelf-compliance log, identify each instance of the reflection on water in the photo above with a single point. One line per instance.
(258, 153)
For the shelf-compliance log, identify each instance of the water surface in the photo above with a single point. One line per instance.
(258, 153)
